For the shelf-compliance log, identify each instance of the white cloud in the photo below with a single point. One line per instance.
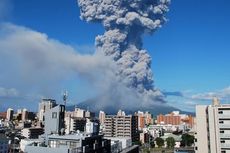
(33, 63)
(223, 94)
(33, 56)
(7, 93)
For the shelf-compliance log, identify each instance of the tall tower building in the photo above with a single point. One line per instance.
(102, 117)
(25, 114)
(121, 125)
(9, 114)
(55, 120)
(45, 105)
(213, 128)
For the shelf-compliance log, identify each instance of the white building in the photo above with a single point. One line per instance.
(213, 128)
(91, 127)
(9, 114)
(54, 120)
(32, 133)
(45, 105)
(74, 143)
(25, 114)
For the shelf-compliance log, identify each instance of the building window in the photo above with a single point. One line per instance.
(221, 131)
(221, 122)
(222, 141)
(54, 115)
(220, 112)
(223, 151)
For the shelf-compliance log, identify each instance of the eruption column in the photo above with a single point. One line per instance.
(125, 22)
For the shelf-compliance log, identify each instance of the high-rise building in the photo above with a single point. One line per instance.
(54, 120)
(102, 117)
(148, 118)
(121, 125)
(9, 114)
(45, 105)
(89, 114)
(25, 114)
(141, 120)
(79, 113)
(213, 128)
(92, 127)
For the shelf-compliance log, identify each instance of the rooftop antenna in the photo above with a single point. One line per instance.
(65, 96)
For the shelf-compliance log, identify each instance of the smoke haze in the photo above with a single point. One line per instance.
(32, 64)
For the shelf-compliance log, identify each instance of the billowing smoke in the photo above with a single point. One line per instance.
(125, 22)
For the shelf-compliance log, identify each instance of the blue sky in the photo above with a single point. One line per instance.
(190, 53)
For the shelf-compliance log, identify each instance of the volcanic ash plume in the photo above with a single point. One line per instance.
(125, 22)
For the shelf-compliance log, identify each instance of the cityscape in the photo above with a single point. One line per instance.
(114, 76)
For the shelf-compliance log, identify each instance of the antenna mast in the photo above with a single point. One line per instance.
(65, 96)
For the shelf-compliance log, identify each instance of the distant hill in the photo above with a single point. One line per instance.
(94, 106)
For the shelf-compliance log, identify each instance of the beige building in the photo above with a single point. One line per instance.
(121, 125)
(102, 117)
(213, 128)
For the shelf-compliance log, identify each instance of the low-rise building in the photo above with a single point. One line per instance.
(32, 133)
(74, 143)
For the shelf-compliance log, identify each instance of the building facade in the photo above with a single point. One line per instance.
(175, 118)
(54, 120)
(121, 125)
(213, 128)
(45, 105)
(32, 133)
(9, 114)
(77, 143)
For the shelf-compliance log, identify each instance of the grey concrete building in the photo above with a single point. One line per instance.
(54, 120)
(76, 143)
(45, 105)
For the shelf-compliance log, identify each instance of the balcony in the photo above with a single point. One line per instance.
(224, 125)
(224, 116)
(225, 145)
(223, 135)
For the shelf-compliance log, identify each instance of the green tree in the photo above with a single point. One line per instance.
(187, 140)
(170, 142)
(160, 142)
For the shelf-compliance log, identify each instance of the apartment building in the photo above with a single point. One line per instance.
(213, 128)
(32, 133)
(45, 105)
(175, 118)
(121, 125)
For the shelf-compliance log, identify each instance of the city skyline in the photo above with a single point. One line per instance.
(189, 53)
